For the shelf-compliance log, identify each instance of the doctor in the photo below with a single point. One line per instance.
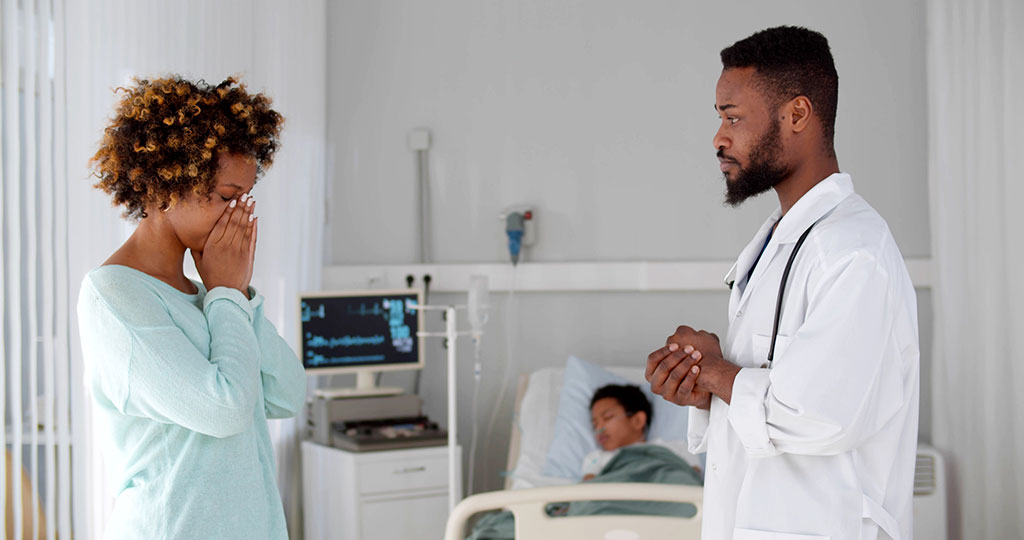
(808, 410)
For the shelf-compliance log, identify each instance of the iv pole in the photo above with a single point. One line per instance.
(451, 335)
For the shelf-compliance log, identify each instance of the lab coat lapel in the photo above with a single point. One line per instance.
(770, 251)
(746, 258)
(817, 202)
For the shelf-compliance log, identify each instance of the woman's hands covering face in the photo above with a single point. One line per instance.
(227, 258)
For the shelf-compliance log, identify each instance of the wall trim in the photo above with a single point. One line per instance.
(690, 276)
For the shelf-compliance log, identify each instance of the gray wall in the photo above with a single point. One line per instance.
(600, 114)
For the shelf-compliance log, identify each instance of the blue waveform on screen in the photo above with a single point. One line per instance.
(389, 308)
(375, 310)
(343, 341)
(308, 313)
(314, 360)
(391, 311)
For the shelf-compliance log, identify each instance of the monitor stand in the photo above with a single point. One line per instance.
(365, 387)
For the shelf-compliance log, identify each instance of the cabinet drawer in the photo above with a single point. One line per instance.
(403, 474)
(415, 518)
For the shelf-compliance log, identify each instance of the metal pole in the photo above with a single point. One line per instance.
(420, 207)
(424, 209)
(453, 465)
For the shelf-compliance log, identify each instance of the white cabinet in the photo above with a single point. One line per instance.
(392, 494)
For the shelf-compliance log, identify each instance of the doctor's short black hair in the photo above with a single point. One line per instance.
(791, 61)
(629, 396)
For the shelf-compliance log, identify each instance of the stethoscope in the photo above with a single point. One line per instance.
(730, 281)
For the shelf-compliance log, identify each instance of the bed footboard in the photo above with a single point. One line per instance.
(533, 523)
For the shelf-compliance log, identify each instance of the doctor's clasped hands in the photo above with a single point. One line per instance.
(690, 368)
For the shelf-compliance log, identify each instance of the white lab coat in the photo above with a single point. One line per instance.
(823, 444)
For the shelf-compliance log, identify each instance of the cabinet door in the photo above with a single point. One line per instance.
(412, 518)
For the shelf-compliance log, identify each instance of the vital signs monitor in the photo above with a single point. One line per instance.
(360, 332)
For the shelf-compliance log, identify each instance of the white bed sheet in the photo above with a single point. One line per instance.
(535, 421)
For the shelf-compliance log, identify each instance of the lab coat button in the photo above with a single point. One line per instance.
(714, 467)
(739, 314)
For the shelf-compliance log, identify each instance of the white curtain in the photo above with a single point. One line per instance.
(34, 306)
(976, 149)
(276, 47)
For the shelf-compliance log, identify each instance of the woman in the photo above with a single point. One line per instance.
(185, 374)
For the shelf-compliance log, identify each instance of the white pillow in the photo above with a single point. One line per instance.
(536, 425)
(573, 438)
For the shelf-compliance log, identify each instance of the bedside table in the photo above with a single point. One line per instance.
(390, 494)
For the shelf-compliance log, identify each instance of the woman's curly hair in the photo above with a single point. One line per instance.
(164, 141)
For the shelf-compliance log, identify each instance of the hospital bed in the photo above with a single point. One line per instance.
(529, 492)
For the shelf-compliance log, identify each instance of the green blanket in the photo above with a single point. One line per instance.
(642, 463)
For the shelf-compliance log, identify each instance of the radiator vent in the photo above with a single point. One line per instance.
(929, 495)
(924, 475)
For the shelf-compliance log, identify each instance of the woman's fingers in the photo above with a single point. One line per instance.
(252, 250)
(246, 239)
(235, 231)
(248, 220)
(252, 242)
(221, 226)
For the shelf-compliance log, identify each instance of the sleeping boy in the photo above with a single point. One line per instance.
(620, 416)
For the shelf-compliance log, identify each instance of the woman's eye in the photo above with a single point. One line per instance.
(733, 120)
(226, 199)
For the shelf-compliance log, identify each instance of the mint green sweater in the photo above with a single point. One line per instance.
(184, 385)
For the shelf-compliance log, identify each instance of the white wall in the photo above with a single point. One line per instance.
(599, 113)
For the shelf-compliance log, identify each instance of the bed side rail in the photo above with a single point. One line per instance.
(533, 523)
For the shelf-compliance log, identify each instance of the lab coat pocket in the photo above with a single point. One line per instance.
(761, 344)
(751, 534)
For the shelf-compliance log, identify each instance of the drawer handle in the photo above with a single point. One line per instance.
(407, 470)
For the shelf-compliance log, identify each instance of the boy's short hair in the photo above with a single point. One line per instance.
(629, 396)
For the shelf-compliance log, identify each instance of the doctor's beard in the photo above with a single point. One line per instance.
(764, 171)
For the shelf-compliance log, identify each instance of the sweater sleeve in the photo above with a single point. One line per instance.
(282, 375)
(153, 370)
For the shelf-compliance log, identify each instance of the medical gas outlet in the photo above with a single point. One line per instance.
(520, 230)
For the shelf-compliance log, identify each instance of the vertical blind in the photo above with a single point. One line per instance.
(34, 384)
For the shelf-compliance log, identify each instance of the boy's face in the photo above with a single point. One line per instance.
(613, 429)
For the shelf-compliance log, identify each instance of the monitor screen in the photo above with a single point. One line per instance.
(360, 330)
